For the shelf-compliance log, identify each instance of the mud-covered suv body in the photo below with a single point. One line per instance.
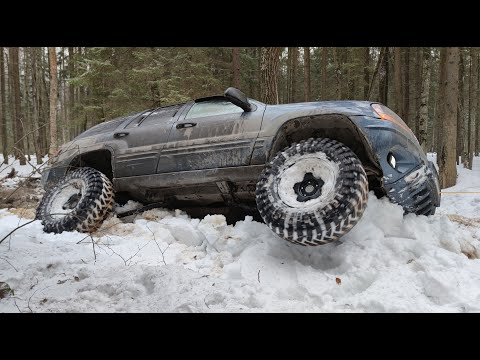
(210, 151)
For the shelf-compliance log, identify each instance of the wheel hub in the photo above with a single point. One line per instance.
(66, 198)
(72, 202)
(309, 188)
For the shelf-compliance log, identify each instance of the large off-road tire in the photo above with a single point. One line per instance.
(80, 201)
(313, 192)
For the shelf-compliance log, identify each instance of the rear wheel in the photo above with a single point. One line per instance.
(80, 201)
(313, 192)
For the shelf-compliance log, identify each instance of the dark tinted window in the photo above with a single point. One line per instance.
(157, 116)
(102, 128)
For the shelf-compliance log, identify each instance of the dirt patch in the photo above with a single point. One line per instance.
(464, 220)
(26, 195)
(23, 213)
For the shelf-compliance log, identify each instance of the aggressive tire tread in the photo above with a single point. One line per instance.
(321, 225)
(88, 214)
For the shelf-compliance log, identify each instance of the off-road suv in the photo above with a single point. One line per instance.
(307, 167)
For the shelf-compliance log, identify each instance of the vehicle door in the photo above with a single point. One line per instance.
(138, 144)
(211, 133)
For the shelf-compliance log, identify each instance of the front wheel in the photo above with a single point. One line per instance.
(313, 192)
(79, 201)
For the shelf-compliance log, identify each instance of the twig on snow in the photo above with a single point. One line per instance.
(94, 253)
(30, 298)
(15, 302)
(9, 264)
(158, 246)
(18, 227)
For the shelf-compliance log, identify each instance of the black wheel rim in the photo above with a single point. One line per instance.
(309, 188)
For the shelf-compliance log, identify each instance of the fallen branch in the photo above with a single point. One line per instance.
(17, 228)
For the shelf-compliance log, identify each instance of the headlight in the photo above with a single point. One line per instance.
(391, 160)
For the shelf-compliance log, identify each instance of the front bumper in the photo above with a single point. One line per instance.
(413, 182)
(418, 192)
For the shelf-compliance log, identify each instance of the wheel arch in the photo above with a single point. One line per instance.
(336, 127)
(100, 159)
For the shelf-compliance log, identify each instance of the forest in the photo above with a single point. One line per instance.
(50, 95)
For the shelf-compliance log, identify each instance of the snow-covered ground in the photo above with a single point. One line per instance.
(165, 261)
(21, 172)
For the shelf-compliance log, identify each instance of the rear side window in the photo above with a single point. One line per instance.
(211, 108)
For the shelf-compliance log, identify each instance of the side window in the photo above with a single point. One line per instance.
(210, 108)
(156, 117)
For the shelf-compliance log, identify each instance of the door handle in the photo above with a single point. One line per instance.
(120, 134)
(186, 125)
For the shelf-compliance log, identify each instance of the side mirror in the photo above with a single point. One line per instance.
(238, 98)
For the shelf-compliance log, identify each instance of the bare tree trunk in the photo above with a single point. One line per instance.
(53, 100)
(447, 167)
(383, 76)
(306, 73)
(324, 72)
(17, 116)
(236, 67)
(259, 72)
(27, 123)
(397, 75)
(63, 97)
(418, 90)
(71, 92)
(269, 68)
(289, 74)
(81, 94)
(366, 72)
(349, 63)
(473, 105)
(440, 111)
(43, 99)
(35, 115)
(423, 111)
(406, 88)
(338, 94)
(477, 118)
(3, 107)
(460, 110)
(292, 84)
(375, 72)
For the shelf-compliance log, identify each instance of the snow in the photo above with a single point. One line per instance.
(454, 199)
(165, 261)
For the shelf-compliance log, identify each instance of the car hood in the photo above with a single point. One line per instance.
(325, 107)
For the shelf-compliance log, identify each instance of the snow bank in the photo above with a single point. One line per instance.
(165, 261)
